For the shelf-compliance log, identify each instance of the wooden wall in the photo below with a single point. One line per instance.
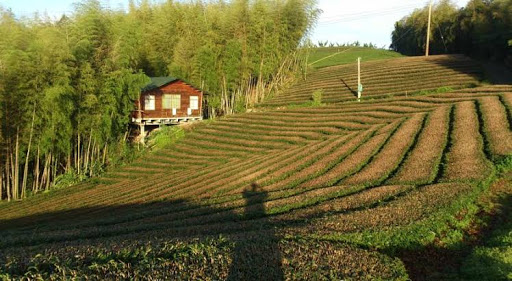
(176, 87)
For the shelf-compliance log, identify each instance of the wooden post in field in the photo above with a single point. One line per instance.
(428, 28)
(359, 86)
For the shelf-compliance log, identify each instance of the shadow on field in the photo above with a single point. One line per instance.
(497, 72)
(476, 258)
(348, 87)
(258, 265)
(460, 64)
(256, 255)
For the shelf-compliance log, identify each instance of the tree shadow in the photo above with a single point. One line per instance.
(497, 72)
(255, 234)
(256, 254)
(249, 262)
(354, 92)
(462, 261)
(460, 64)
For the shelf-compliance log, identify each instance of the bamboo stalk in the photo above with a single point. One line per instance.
(54, 172)
(105, 153)
(13, 178)
(40, 187)
(75, 154)
(225, 91)
(98, 155)
(48, 171)
(36, 171)
(92, 158)
(78, 155)
(8, 182)
(68, 163)
(87, 153)
(25, 171)
(1, 184)
(17, 169)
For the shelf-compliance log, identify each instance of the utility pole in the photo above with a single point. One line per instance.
(359, 86)
(428, 28)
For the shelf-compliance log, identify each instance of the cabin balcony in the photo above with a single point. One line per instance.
(165, 120)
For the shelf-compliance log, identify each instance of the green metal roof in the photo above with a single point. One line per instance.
(157, 82)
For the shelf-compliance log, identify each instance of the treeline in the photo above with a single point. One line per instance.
(481, 29)
(67, 87)
(322, 44)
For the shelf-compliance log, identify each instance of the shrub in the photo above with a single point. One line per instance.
(166, 136)
(121, 154)
(442, 90)
(67, 179)
(240, 106)
(316, 97)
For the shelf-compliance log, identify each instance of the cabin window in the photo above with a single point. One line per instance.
(171, 101)
(194, 102)
(166, 102)
(149, 102)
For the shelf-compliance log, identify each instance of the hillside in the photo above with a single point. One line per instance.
(334, 191)
(382, 78)
(330, 56)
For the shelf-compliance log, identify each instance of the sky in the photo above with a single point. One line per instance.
(366, 21)
(341, 21)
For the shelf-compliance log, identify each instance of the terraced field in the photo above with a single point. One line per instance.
(383, 78)
(329, 56)
(307, 193)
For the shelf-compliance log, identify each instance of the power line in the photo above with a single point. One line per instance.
(403, 35)
(413, 5)
(364, 15)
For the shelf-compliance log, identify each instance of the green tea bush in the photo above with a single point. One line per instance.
(316, 97)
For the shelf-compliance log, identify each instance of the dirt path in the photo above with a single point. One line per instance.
(497, 73)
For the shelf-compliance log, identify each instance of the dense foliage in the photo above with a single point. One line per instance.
(67, 88)
(483, 28)
(237, 51)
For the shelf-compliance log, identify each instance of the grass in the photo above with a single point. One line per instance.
(166, 136)
(491, 259)
(329, 56)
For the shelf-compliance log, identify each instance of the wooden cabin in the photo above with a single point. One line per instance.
(166, 101)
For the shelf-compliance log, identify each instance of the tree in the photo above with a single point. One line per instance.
(481, 29)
